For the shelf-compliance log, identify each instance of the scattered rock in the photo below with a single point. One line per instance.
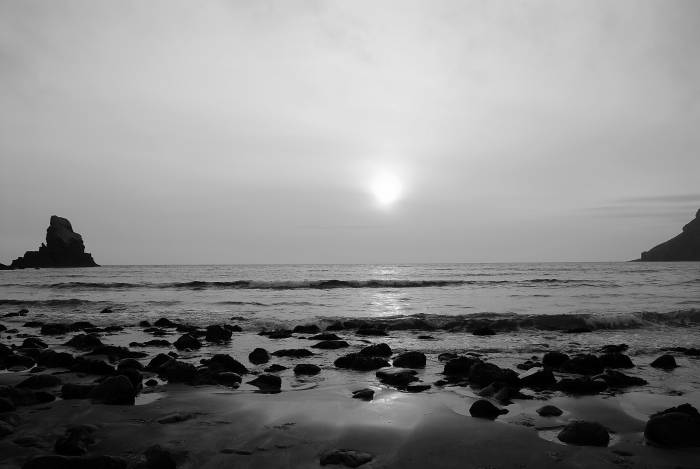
(77, 391)
(55, 329)
(554, 359)
(175, 418)
(549, 411)
(483, 373)
(397, 377)
(224, 362)
(293, 353)
(259, 356)
(371, 330)
(675, 427)
(410, 360)
(40, 381)
(583, 433)
(306, 329)
(52, 359)
(187, 341)
(363, 394)
(583, 364)
(540, 379)
(355, 361)
(484, 409)
(583, 385)
(158, 457)
(324, 336)
(616, 360)
(267, 383)
(460, 366)
(331, 344)
(6, 405)
(665, 362)
(175, 371)
(345, 457)
(33, 342)
(158, 361)
(377, 350)
(216, 333)
(306, 369)
(481, 331)
(6, 429)
(92, 367)
(617, 379)
(76, 441)
(115, 390)
(164, 322)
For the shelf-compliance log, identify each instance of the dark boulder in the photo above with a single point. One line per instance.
(549, 411)
(114, 352)
(675, 427)
(397, 376)
(267, 383)
(216, 333)
(541, 379)
(344, 457)
(554, 359)
(583, 433)
(158, 361)
(75, 441)
(331, 344)
(33, 342)
(6, 405)
(307, 369)
(129, 363)
(55, 329)
(158, 457)
(376, 350)
(363, 394)
(460, 366)
(483, 373)
(115, 390)
(77, 391)
(175, 371)
(40, 381)
(583, 385)
(52, 359)
(371, 331)
(616, 379)
(259, 356)
(306, 329)
(224, 362)
(583, 364)
(85, 342)
(483, 409)
(324, 336)
(63, 248)
(187, 341)
(91, 367)
(616, 360)
(164, 322)
(355, 361)
(665, 362)
(410, 360)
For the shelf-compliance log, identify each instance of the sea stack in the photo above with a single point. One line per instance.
(64, 248)
(684, 247)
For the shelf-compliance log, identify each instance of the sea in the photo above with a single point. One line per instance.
(651, 304)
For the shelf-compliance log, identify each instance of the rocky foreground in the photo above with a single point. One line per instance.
(167, 394)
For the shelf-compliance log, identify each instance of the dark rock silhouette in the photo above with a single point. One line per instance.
(63, 248)
(684, 247)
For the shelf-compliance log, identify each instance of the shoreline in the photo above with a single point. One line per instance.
(398, 428)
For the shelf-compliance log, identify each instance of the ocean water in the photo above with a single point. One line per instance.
(534, 308)
(550, 296)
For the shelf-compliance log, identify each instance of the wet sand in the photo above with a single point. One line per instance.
(220, 426)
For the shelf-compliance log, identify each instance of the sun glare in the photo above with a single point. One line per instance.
(386, 188)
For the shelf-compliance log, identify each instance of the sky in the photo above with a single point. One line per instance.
(180, 132)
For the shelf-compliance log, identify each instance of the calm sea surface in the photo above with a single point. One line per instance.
(605, 295)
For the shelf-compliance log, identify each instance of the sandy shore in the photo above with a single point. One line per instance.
(220, 426)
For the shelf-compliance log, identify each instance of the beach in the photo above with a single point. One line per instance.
(202, 410)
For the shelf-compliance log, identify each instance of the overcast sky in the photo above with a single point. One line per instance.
(241, 132)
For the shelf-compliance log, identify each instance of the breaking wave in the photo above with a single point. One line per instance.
(327, 284)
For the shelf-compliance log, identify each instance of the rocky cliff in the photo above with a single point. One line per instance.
(684, 247)
(63, 248)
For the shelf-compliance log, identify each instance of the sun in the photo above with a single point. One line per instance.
(386, 188)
